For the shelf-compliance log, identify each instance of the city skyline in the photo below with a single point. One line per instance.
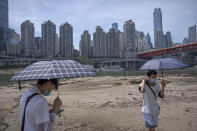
(82, 19)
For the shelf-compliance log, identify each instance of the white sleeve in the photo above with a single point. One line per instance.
(41, 112)
(47, 126)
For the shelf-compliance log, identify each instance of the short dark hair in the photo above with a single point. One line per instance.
(150, 72)
(53, 81)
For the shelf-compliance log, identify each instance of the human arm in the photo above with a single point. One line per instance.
(161, 93)
(142, 86)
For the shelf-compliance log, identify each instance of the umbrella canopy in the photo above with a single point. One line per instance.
(163, 63)
(53, 70)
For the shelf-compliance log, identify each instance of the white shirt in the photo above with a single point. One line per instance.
(149, 105)
(37, 112)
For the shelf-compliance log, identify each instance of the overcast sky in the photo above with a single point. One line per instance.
(178, 15)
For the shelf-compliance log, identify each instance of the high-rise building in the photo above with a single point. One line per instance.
(169, 41)
(141, 41)
(100, 45)
(148, 45)
(85, 44)
(57, 45)
(115, 26)
(144, 42)
(38, 47)
(66, 40)
(113, 43)
(27, 39)
(4, 14)
(192, 34)
(91, 48)
(4, 39)
(130, 48)
(121, 41)
(48, 39)
(4, 31)
(13, 46)
(159, 37)
(164, 41)
(148, 40)
(157, 21)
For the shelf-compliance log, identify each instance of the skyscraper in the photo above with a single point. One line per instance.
(85, 44)
(113, 43)
(159, 38)
(148, 40)
(100, 45)
(4, 14)
(48, 39)
(66, 40)
(38, 46)
(115, 26)
(57, 45)
(164, 41)
(192, 34)
(121, 41)
(148, 44)
(169, 41)
(27, 38)
(157, 21)
(141, 42)
(130, 48)
(4, 31)
(13, 45)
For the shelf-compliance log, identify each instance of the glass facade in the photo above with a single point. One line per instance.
(157, 21)
(4, 13)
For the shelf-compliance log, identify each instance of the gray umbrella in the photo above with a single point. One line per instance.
(163, 64)
(53, 70)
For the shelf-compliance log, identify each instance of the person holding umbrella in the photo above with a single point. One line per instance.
(151, 91)
(37, 116)
(34, 112)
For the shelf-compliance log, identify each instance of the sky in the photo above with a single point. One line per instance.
(177, 15)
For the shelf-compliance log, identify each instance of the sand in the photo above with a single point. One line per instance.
(110, 104)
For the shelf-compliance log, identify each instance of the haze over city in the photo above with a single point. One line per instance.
(177, 15)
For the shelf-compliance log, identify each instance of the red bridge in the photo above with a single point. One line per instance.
(169, 50)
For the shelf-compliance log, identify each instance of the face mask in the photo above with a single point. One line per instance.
(153, 80)
(47, 93)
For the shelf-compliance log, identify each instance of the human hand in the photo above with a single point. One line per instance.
(144, 80)
(163, 84)
(56, 104)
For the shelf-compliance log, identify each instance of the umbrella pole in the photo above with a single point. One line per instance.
(19, 84)
(162, 73)
(58, 88)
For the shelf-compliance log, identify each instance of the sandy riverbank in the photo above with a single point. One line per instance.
(110, 104)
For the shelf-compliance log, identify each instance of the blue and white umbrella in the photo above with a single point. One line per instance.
(53, 70)
(163, 64)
